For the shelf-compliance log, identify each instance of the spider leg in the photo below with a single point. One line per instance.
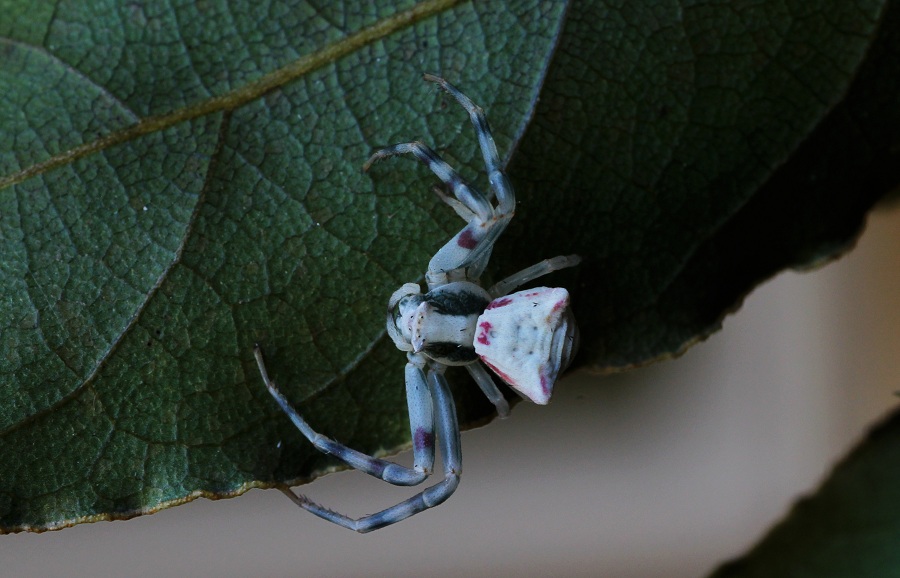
(458, 208)
(489, 388)
(471, 198)
(421, 414)
(467, 254)
(448, 434)
(506, 286)
(473, 244)
(499, 183)
(419, 400)
(476, 268)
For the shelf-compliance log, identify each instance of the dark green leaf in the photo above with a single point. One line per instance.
(850, 527)
(181, 180)
(699, 148)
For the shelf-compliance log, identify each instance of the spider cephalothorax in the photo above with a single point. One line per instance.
(527, 338)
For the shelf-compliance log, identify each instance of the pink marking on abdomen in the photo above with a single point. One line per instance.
(560, 305)
(467, 240)
(546, 386)
(499, 303)
(483, 336)
(502, 375)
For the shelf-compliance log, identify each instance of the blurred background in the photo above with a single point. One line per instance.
(666, 470)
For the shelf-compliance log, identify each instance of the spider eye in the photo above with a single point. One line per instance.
(401, 307)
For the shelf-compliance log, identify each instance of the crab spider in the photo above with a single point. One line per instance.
(527, 338)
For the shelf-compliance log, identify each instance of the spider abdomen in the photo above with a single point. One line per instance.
(528, 338)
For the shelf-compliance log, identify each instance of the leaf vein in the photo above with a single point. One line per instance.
(239, 97)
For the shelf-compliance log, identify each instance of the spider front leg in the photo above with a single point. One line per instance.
(470, 197)
(448, 434)
(499, 183)
(466, 255)
(472, 245)
(478, 238)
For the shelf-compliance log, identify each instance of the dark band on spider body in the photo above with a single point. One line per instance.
(450, 353)
(461, 302)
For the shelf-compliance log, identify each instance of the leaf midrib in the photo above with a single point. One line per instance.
(231, 100)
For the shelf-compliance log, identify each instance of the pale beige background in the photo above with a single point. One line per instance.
(664, 471)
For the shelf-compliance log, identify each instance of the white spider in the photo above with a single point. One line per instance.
(527, 338)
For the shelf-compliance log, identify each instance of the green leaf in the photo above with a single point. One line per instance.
(178, 182)
(700, 147)
(850, 527)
